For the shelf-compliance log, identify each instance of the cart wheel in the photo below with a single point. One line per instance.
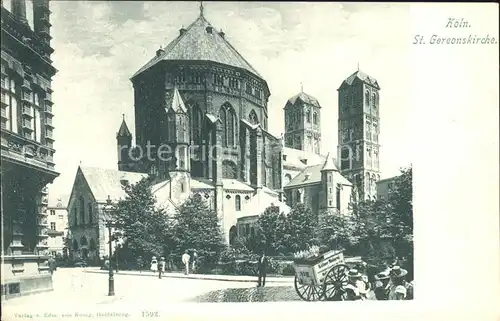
(309, 292)
(335, 283)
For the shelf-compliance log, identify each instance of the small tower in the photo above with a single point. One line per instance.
(302, 123)
(176, 162)
(330, 189)
(124, 145)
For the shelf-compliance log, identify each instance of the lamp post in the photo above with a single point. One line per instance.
(109, 225)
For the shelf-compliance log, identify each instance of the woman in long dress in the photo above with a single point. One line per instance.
(154, 264)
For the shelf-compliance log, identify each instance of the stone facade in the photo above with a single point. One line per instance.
(26, 147)
(358, 132)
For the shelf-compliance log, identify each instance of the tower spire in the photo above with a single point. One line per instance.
(123, 116)
(358, 65)
(201, 8)
(301, 87)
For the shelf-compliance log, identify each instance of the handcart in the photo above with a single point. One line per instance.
(321, 278)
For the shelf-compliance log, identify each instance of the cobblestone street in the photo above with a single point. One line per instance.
(75, 287)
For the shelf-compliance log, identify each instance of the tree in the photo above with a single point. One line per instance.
(300, 231)
(144, 228)
(337, 232)
(197, 227)
(271, 230)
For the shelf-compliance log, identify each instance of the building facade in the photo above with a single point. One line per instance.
(384, 187)
(57, 211)
(26, 146)
(358, 132)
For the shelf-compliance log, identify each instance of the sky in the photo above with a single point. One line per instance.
(100, 45)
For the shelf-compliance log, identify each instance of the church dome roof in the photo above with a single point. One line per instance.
(200, 42)
(305, 98)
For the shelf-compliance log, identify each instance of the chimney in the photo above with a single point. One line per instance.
(221, 33)
(160, 52)
(306, 176)
(182, 31)
(18, 8)
(209, 29)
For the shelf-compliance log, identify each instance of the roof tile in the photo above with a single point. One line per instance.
(196, 43)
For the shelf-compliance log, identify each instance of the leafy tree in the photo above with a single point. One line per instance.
(401, 201)
(300, 231)
(197, 227)
(144, 229)
(271, 230)
(337, 232)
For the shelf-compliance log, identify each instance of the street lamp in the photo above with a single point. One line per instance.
(109, 225)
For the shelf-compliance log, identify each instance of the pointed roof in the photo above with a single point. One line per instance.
(329, 164)
(303, 97)
(175, 103)
(103, 182)
(311, 175)
(123, 131)
(200, 41)
(358, 74)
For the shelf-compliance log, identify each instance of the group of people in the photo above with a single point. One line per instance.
(189, 262)
(389, 285)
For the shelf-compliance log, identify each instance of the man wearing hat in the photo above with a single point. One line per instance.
(356, 288)
(382, 285)
(398, 289)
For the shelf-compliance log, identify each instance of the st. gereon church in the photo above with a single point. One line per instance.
(203, 100)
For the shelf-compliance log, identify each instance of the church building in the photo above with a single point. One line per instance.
(201, 126)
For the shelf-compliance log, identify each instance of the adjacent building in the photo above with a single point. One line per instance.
(384, 187)
(57, 211)
(27, 151)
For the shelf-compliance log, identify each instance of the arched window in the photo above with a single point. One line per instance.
(196, 118)
(308, 116)
(228, 119)
(254, 120)
(233, 233)
(298, 195)
(315, 118)
(92, 245)
(374, 100)
(82, 211)
(367, 98)
(75, 245)
(367, 130)
(337, 196)
(345, 158)
(90, 213)
(75, 215)
(237, 203)
(229, 170)
(288, 178)
(83, 241)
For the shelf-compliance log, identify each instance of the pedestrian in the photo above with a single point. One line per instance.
(262, 269)
(161, 267)
(52, 264)
(140, 263)
(154, 264)
(194, 258)
(356, 287)
(185, 260)
(382, 285)
(398, 289)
